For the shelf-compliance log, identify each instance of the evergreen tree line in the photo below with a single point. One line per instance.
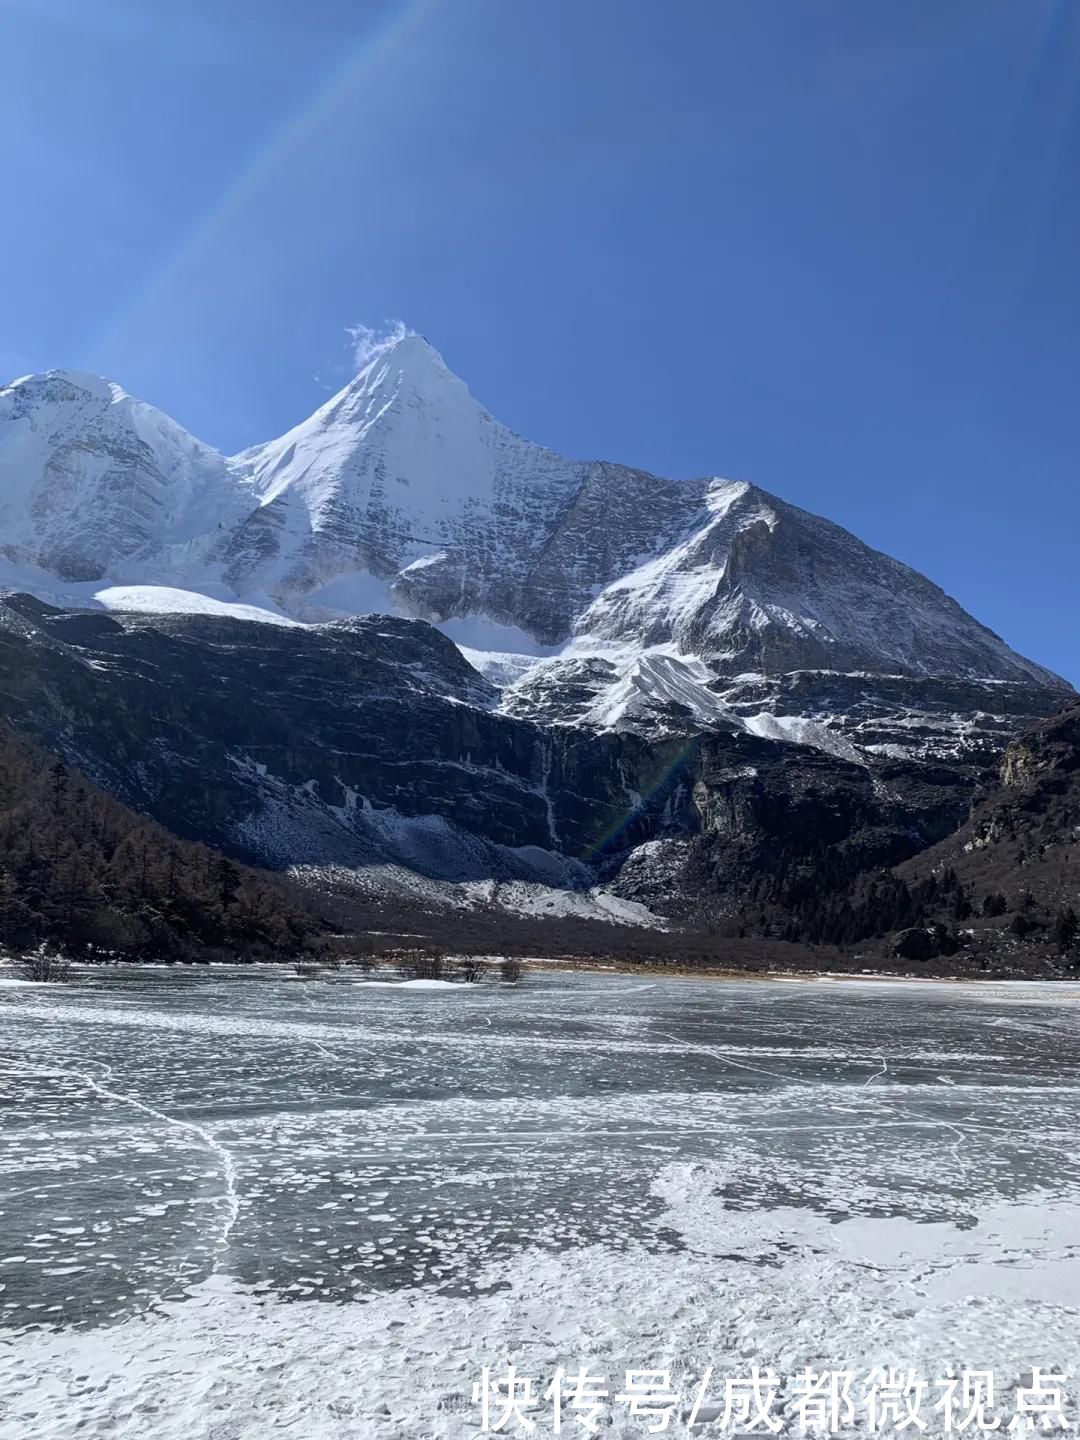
(821, 905)
(80, 870)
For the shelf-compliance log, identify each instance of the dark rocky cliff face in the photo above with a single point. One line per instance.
(1046, 756)
(299, 745)
(1005, 886)
(372, 740)
(816, 820)
(900, 869)
(1024, 829)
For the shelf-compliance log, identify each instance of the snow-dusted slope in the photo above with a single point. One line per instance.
(761, 586)
(403, 481)
(760, 590)
(403, 491)
(634, 600)
(95, 483)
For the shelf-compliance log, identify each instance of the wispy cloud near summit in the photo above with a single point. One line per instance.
(369, 342)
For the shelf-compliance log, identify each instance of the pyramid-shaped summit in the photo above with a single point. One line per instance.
(403, 493)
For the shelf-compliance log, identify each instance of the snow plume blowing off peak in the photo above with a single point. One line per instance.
(397, 358)
(369, 343)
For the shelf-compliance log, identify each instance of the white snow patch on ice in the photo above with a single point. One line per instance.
(782, 1287)
(412, 984)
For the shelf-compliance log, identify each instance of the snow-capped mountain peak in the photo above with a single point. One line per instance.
(413, 362)
(403, 493)
(94, 482)
(59, 385)
(401, 480)
(404, 399)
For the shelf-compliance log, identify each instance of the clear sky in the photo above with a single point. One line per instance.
(829, 246)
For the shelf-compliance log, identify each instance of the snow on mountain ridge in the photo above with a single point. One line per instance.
(93, 481)
(402, 492)
(404, 476)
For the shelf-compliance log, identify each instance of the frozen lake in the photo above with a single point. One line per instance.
(233, 1204)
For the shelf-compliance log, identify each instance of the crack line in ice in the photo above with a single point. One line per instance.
(690, 1045)
(961, 1138)
(231, 1196)
(317, 1044)
(929, 1121)
(210, 1141)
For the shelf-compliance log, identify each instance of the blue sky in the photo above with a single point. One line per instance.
(829, 246)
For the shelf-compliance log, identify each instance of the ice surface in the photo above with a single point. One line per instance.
(241, 1205)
